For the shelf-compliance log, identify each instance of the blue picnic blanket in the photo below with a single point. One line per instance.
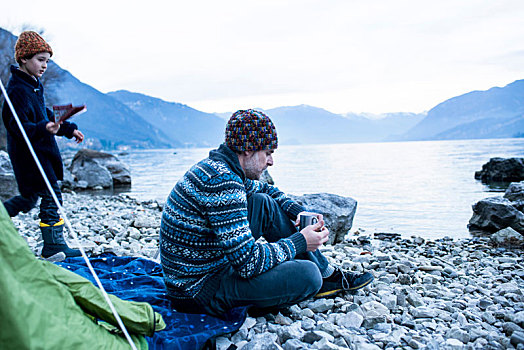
(140, 279)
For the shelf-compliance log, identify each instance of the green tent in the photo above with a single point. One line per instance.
(44, 306)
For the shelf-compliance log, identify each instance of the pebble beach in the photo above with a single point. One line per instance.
(427, 294)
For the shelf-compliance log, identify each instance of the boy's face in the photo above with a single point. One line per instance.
(36, 65)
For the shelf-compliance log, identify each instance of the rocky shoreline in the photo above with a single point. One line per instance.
(443, 294)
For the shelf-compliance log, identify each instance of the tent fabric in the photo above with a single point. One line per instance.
(138, 317)
(140, 279)
(41, 304)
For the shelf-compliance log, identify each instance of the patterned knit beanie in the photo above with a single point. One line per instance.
(30, 43)
(250, 130)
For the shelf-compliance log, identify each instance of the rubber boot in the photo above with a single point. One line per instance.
(54, 240)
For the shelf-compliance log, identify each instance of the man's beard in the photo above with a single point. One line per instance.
(251, 170)
(252, 174)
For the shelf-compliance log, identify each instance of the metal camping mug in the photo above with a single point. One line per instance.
(306, 220)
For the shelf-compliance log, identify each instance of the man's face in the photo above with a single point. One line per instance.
(257, 162)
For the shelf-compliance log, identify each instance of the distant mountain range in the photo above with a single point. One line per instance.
(182, 124)
(306, 125)
(107, 119)
(124, 119)
(495, 113)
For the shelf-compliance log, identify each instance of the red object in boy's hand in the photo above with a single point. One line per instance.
(63, 113)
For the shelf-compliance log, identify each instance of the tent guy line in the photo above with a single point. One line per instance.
(66, 220)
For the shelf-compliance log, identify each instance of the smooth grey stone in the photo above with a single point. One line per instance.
(383, 327)
(341, 343)
(501, 169)
(484, 303)
(240, 335)
(90, 171)
(476, 333)
(370, 322)
(401, 299)
(374, 308)
(314, 336)
(404, 268)
(265, 177)
(295, 344)
(415, 344)
(118, 171)
(494, 214)
(295, 310)
(8, 184)
(263, 341)
(222, 343)
(501, 300)
(414, 299)
(515, 191)
(282, 320)
(454, 344)
(327, 326)
(509, 328)
(324, 344)
(350, 320)
(307, 312)
(518, 318)
(507, 237)
(517, 338)
(292, 332)
(390, 301)
(338, 212)
(308, 324)
(423, 312)
(321, 305)
(457, 333)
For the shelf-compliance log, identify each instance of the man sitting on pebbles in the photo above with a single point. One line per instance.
(213, 217)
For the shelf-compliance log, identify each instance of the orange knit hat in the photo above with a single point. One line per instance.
(30, 43)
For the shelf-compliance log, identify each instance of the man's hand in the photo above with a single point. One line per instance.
(78, 136)
(52, 128)
(320, 217)
(316, 235)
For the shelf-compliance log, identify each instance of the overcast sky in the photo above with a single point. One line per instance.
(341, 55)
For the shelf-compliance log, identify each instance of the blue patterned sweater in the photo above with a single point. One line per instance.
(205, 230)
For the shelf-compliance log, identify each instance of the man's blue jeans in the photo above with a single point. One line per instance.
(285, 284)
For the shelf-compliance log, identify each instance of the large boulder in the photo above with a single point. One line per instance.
(515, 191)
(338, 212)
(494, 214)
(94, 174)
(507, 237)
(69, 180)
(266, 177)
(8, 185)
(501, 170)
(88, 164)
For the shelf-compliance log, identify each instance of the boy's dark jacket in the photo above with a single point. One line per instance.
(27, 97)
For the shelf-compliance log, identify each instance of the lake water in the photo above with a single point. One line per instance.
(413, 188)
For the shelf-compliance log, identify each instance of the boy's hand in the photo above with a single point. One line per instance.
(52, 128)
(78, 136)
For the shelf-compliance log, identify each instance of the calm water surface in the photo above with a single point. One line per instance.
(413, 188)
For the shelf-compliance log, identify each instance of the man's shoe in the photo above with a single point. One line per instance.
(341, 280)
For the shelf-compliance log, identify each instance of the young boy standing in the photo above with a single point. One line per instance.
(26, 93)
